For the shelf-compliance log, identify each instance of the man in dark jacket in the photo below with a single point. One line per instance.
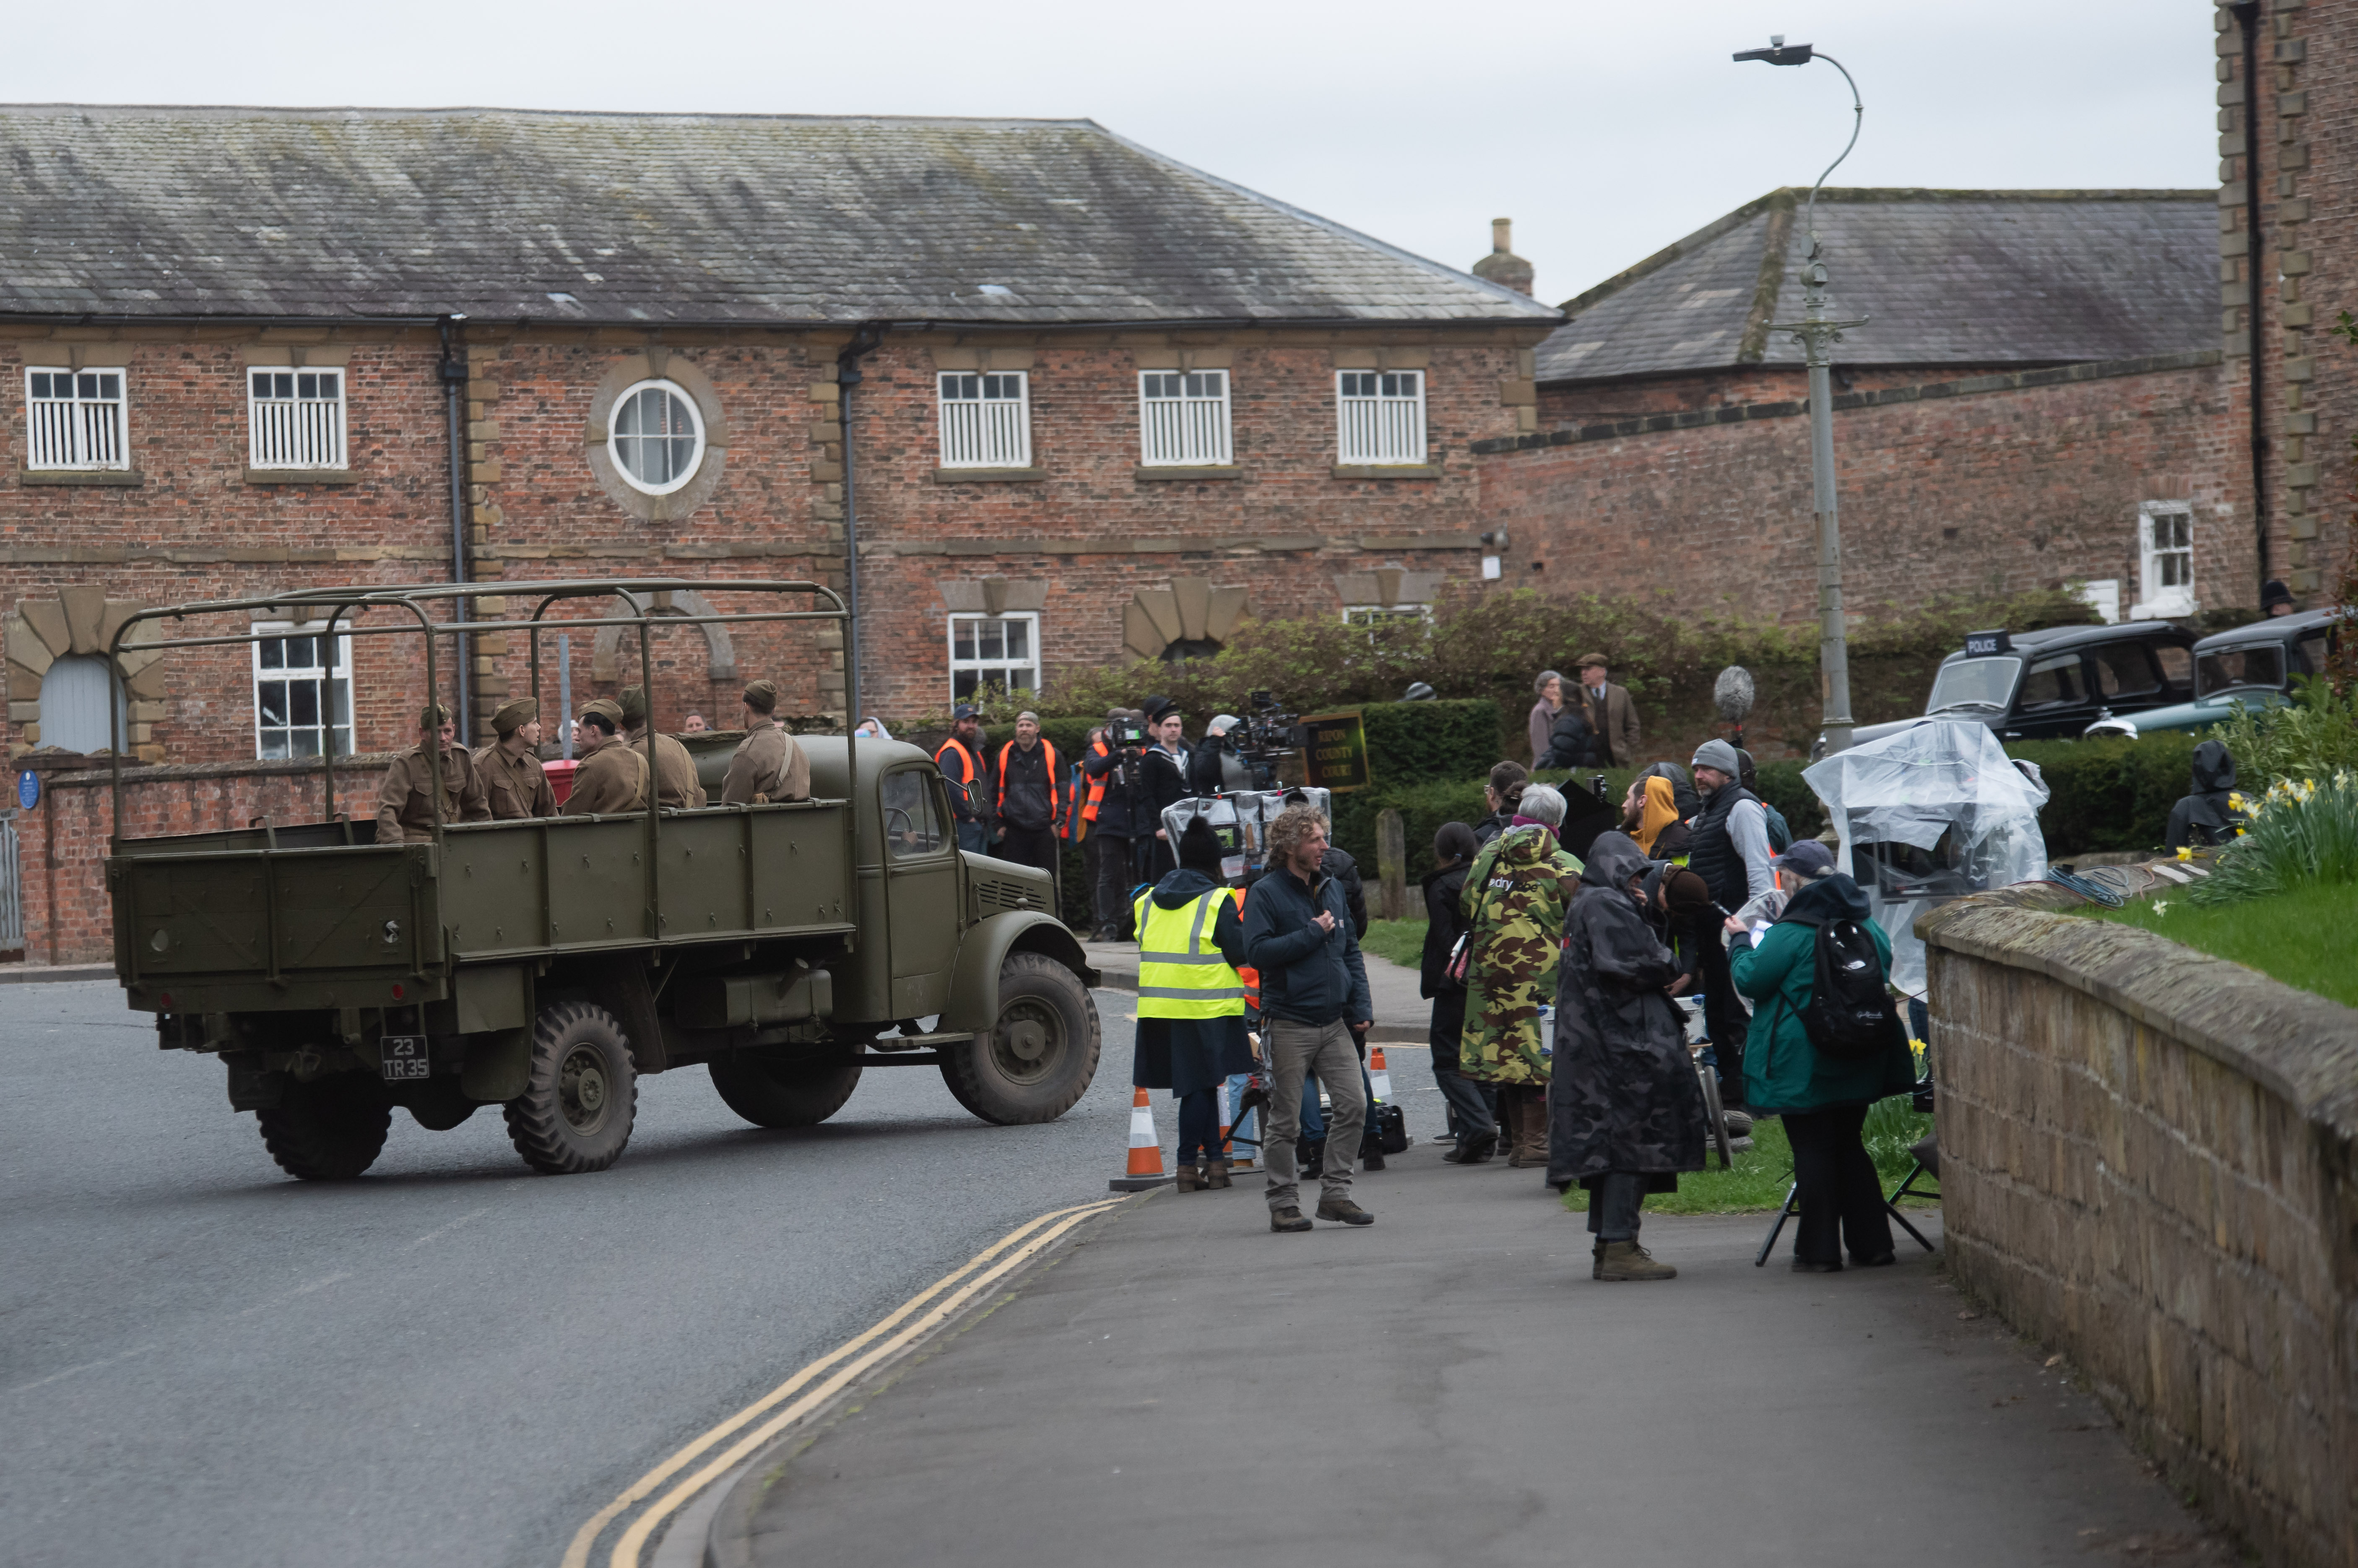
(2204, 817)
(1472, 1107)
(1626, 1114)
(1032, 794)
(1163, 782)
(1115, 829)
(960, 758)
(1314, 987)
(1214, 767)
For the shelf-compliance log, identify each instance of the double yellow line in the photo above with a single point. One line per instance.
(811, 1388)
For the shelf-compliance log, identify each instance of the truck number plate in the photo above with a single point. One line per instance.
(404, 1057)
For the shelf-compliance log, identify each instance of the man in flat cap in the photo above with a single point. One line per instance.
(1611, 715)
(514, 784)
(405, 807)
(769, 766)
(612, 778)
(676, 785)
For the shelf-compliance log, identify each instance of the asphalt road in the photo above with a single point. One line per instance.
(452, 1361)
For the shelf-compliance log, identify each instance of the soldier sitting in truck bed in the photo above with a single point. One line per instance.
(676, 785)
(405, 807)
(514, 784)
(769, 764)
(612, 778)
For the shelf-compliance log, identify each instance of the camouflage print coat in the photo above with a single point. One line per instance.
(1515, 903)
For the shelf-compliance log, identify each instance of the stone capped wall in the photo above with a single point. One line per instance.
(2147, 1160)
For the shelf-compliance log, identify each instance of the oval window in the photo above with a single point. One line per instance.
(656, 436)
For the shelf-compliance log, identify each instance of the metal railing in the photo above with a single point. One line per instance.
(12, 889)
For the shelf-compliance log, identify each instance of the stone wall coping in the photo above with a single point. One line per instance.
(2301, 1046)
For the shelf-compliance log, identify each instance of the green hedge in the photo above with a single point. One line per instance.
(1418, 742)
(2110, 794)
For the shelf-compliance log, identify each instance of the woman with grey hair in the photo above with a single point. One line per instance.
(1550, 687)
(1514, 902)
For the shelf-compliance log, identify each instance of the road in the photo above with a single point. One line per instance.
(452, 1361)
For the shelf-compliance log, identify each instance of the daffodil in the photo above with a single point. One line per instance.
(2186, 854)
(2160, 906)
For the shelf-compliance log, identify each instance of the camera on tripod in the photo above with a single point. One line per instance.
(1125, 732)
(1265, 737)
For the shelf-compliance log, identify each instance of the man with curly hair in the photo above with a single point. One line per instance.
(1314, 991)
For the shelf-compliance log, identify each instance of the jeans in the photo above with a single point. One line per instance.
(974, 838)
(1724, 1022)
(1472, 1107)
(1613, 1206)
(1295, 1052)
(1199, 1126)
(1841, 1195)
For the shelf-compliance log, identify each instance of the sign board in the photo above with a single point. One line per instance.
(1982, 645)
(28, 789)
(1335, 750)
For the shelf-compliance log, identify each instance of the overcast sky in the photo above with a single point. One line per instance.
(1605, 131)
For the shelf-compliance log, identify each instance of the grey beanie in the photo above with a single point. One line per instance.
(1718, 754)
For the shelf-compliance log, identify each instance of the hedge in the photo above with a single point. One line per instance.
(2109, 794)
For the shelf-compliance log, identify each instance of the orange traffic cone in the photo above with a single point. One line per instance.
(1380, 1079)
(1145, 1152)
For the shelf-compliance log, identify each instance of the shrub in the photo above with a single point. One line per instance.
(2314, 736)
(2297, 834)
(1416, 742)
(2109, 794)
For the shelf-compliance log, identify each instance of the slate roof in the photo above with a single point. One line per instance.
(667, 218)
(1946, 277)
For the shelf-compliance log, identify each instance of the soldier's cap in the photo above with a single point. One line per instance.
(1592, 662)
(605, 708)
(634, 704)
(512, 717)
(434, 717)
(762, 695)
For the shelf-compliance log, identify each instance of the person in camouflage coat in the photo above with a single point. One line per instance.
(1515, 899)
(1628, 1112)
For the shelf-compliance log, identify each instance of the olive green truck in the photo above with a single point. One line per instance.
(542, 966)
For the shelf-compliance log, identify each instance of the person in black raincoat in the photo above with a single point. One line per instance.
(1472, 1107)
(1193, 1056)
(2205, 816)
(1627, 1109)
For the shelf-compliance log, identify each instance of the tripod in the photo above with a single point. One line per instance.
(1927, 1164)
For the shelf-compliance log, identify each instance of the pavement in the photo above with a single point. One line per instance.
(1448, 1386)
(1402, 1015)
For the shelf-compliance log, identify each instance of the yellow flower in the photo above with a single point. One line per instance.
(2186, 854)
(2239, 833)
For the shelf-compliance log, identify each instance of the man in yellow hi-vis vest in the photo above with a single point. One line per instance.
(1191, 1000)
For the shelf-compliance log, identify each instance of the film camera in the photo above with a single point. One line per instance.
(1264, 737)
(1125, 732)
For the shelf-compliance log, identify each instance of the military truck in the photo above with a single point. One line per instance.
(543, 966)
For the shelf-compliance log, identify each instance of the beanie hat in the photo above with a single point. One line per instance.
(1200, 850)
(760, 696)
(1717, 755)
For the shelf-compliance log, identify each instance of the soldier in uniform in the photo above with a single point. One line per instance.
(676, 785)
(514, 784)
(612, 778)
(405, 807)
(768, 765)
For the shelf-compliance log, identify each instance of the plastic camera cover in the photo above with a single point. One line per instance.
(1940, 810)
(1242, 819)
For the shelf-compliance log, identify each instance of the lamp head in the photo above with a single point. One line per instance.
(1778, 52)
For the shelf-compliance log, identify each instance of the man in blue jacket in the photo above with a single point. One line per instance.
(1314, 991)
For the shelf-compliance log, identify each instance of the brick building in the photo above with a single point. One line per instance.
(2037, 395)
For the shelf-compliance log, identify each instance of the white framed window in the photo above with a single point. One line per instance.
(1380, 416)
(74, 419)
(655, 436)
(1183, 418)
(294, 418)
(995, 651)
(2165, 561)
(302, 690)
(986, 419)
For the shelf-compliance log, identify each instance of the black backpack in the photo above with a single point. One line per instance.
(1850, 1016)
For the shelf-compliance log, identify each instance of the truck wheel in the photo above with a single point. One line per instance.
(574, 1113)
(330, 1129)
(1042, 1054)
(770, 1093)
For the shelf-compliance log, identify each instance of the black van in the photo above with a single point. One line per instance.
(2037, 686)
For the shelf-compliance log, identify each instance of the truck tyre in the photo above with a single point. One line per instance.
(770, 1093)
(330, 1129)
(1042, 1054)
(575, 1111)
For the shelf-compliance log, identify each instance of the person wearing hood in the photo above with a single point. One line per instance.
(2205, 815)
(1472, 1112)
(1683, 789)
(1191, 1000)
(1625, 1111)
(1650, 816)
(1822, 1099)
(1514, 901)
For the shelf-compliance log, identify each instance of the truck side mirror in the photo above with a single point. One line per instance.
(975, 795)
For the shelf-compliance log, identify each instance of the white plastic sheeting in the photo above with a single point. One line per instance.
(1926, 815)
(1242, 820)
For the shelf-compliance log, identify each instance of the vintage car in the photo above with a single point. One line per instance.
(2052, 683)
(2253, 665)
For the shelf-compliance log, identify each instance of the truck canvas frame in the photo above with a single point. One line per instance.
(543, 964)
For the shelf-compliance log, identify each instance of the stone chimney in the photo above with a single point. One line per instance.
(1502, 265)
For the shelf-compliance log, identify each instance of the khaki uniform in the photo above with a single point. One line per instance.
(405, 807)
(612, 779)
(768, 766)
(517, 786)
(676, 785)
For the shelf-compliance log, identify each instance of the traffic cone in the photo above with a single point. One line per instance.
(1145, 1152)
(1380, 1079)
(1223, 1092)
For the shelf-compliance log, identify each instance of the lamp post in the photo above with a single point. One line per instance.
(1817, 335)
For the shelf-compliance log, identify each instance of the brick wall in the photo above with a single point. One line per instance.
(1999, 485)
(2145, 1162)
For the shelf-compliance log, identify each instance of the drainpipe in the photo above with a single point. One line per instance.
(864, 343)
(2247, 17)
(454, 384)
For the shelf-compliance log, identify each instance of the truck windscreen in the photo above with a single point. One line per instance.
(1974, 683)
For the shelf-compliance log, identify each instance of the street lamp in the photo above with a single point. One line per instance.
(1817, 336)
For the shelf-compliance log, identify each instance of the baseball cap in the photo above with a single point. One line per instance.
(1807, 858)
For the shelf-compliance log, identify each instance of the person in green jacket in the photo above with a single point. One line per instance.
(1823, 1101)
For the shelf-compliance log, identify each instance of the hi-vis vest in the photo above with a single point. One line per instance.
(1180, 973)
(1251, 975)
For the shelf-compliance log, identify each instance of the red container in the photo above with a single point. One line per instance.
(560, 779)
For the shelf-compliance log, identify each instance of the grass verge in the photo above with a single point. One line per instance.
(2301, 937)
(1401, 941)
(1757, 1184)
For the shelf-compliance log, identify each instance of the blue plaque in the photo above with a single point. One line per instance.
(28, 789)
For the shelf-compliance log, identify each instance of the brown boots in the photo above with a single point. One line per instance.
(1523, 1124)
(1627, 1260)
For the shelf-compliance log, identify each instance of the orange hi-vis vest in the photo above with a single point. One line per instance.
(967, 760)
(1097, 785)
(1251, 977)
(1059, 791)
